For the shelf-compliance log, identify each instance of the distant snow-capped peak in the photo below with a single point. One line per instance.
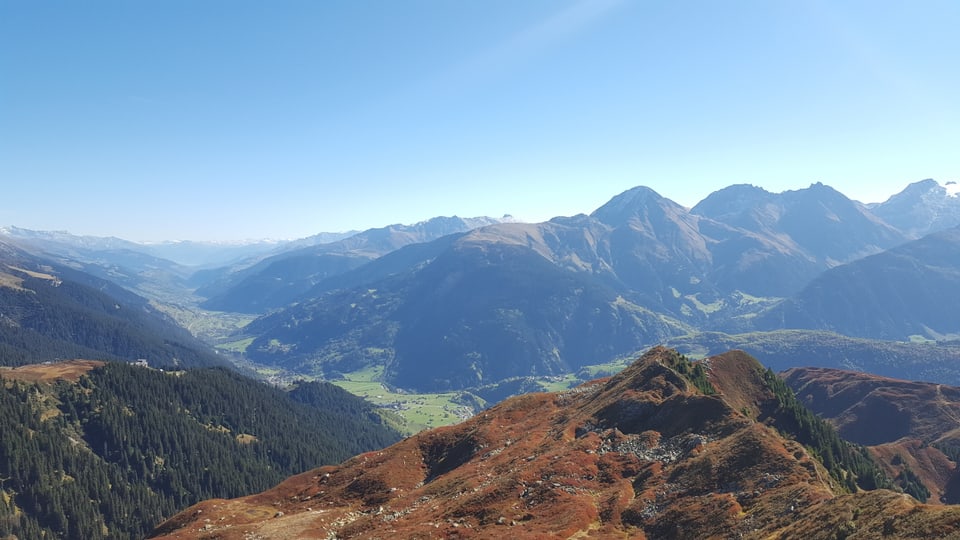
(953, 189)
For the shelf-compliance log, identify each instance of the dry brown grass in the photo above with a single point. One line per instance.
(10, 281)
(71, 370)
(558, 466)
(899, 419)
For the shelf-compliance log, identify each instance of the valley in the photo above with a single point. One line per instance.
(521, 307)
(422, 331)
(377, 323)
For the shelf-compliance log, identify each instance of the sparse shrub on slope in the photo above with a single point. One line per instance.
(694, 372)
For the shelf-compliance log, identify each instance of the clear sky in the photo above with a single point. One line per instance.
(233, 119)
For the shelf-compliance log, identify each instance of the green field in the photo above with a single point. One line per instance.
(412, 412)
(607, 369)
(712, 307)
(239, 346)
(423, 411)
(210, 326)
(559, 384)
(416, 411)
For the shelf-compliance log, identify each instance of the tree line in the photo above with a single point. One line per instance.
(848, 463)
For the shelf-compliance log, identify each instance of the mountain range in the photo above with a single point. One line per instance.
(182, 252)
(518, 299)
(280, 279)
(454, 303)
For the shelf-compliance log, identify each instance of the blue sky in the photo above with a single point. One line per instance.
(224, 120)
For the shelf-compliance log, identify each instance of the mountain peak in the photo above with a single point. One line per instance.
(953, 189)
(817, 190)
(640, 203)
(727, 203)
(922, 207)
(917, 188)
(652, 373)
(824, 224)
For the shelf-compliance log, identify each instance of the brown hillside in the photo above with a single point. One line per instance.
(869, 409)
(880, 514)
(933, 468)
(641, 455)
(898, 420)
(736, 375)
(70, 370)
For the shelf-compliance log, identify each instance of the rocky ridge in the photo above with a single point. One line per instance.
(665, 449)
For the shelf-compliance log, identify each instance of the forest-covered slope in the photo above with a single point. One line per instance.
(50, 312)
(114, 453)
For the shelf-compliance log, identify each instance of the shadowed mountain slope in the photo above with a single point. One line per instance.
(453, 322)
(49, 311)
(908, 290)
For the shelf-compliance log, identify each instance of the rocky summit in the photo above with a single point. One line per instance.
(666, 449)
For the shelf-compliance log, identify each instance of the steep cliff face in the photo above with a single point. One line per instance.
(665, 449)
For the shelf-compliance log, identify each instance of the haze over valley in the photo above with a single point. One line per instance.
(482, 308)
